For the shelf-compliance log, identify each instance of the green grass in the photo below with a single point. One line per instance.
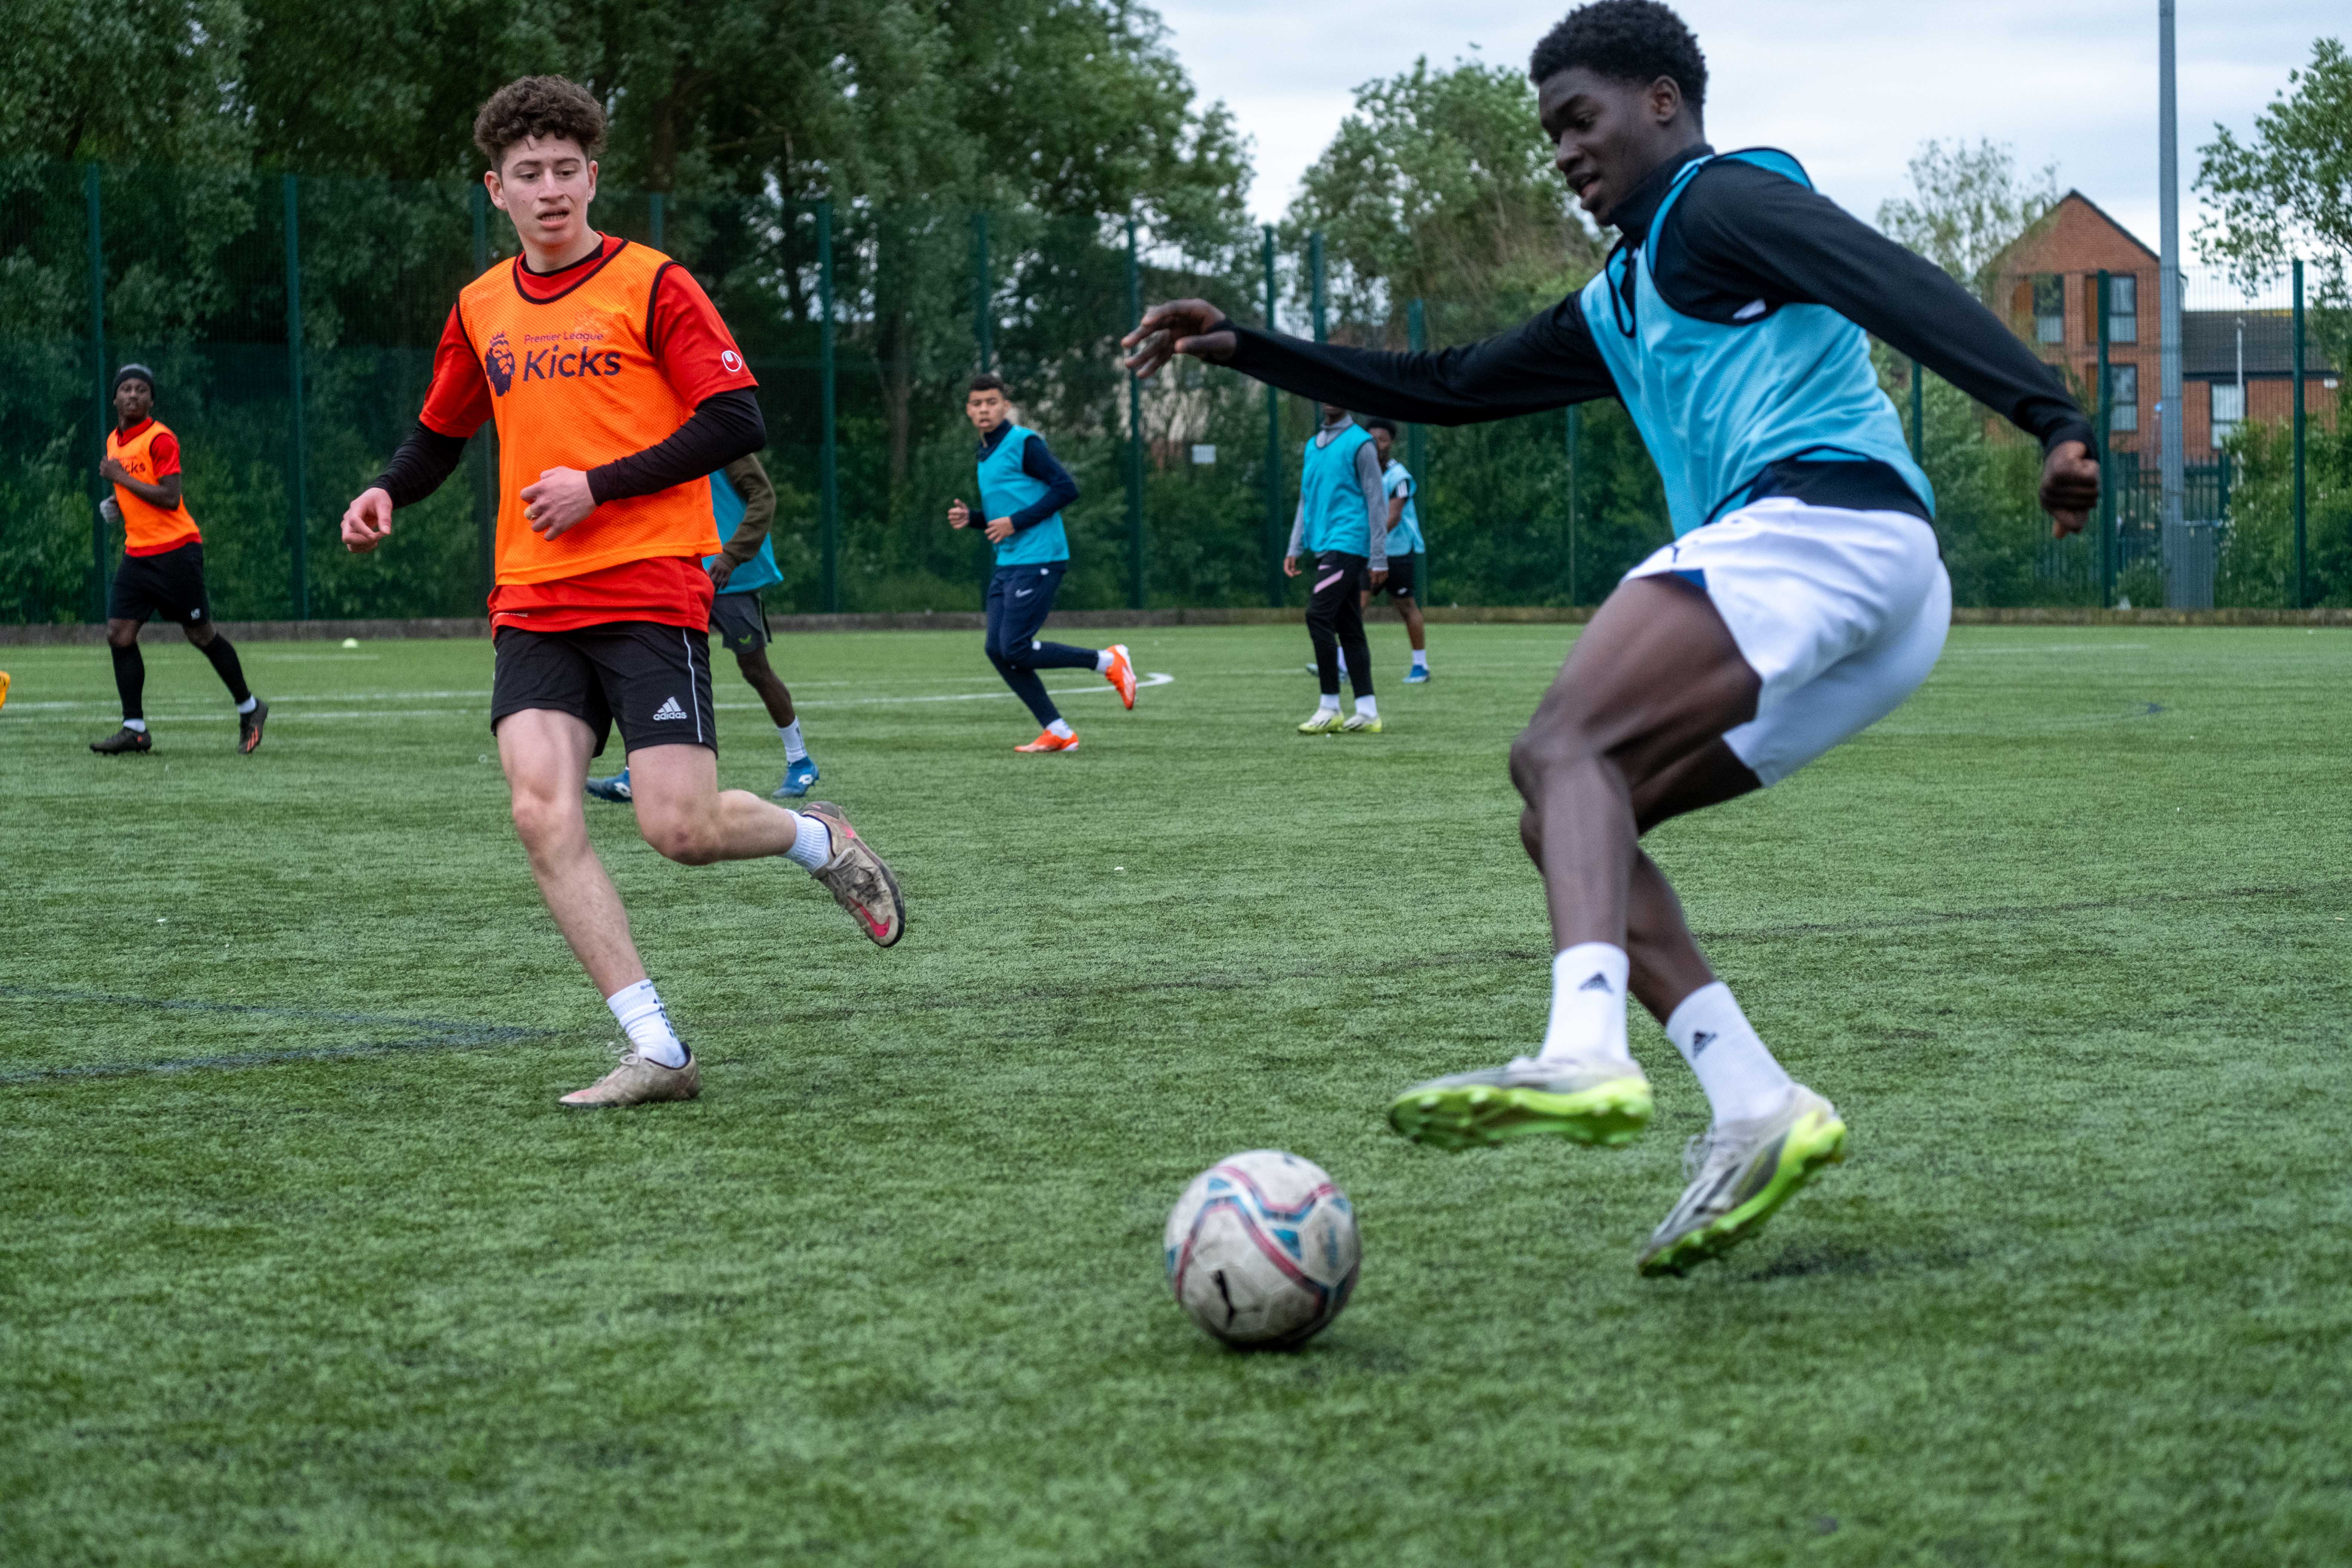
(2066, 939)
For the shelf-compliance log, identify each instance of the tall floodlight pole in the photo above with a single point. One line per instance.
(2167, 174)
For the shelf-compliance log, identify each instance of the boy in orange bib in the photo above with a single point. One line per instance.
(162, 569)
(615, 390)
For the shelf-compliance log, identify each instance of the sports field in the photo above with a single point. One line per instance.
(299, 1262)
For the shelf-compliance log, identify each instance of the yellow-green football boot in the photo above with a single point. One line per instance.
(1741, 1173)
(1605, 1102)
(1324, 723)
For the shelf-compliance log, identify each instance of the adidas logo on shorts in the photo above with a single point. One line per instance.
(668, 710)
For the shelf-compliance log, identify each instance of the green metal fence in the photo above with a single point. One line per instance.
(292, 323)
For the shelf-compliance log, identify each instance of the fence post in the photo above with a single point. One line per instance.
(486, 490)
(2301, 596)
(1918, 422)
(654, 215)
(1134, 434)
(1416, 444)
(1275, 537)
(984, 326)
(299, 567)
(99, 489)
(828, 477)
(2106, 438)
(1575, 469)
(1315, 284)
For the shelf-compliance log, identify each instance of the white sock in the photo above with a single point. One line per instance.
(1369, 707)
(1327, 703)
(1060, 729)
(1741, 1079)
(1102, 662)
(1588, 1003)
(812, 842)
(639, 1011)
(1420, 659)
(793, 748)
(136, 726)
(248, 705)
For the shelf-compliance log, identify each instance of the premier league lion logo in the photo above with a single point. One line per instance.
(498, 364)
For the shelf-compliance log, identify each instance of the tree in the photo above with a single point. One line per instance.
(1440, 184)
(2289, 190)
(1968, 205)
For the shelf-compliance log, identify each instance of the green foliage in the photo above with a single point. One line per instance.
(2288, 192)
(1440, 185)
(2257, 563)
(1967, 205)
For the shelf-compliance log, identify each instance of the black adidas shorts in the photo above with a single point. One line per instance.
(1399, 584)
(741, 625)
(170, 585)
(654, 680)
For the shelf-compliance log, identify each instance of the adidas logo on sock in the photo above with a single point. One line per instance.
(1598, 983)
(1699, 1042)
(668, 710)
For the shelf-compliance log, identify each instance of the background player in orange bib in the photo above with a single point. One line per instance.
(162, 570)
(616, 389)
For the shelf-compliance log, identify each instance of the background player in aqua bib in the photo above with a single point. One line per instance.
(1801, 600)
(1342, 521)
(1406, 550)
(1023, 492)
(743, 504)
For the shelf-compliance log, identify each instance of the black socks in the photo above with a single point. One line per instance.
(224, 663)
(130, 681)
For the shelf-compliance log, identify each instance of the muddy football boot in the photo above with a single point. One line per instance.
(857, 879)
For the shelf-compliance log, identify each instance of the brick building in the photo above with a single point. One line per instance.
(2235, 364)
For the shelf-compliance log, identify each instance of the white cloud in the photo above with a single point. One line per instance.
(1851, 86)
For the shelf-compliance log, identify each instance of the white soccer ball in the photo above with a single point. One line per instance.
(1262, 1249)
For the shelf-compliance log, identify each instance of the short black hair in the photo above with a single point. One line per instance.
(1382, 422)
(1625, 40)
(989, 381)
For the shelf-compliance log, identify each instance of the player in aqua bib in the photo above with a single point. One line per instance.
(1802, 601)
(1022, 491)
(1343, 523)
(744, 502)
(1406, 550)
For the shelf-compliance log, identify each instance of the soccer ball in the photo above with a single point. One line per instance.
(1262, 1249)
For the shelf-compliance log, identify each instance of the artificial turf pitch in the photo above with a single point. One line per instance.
(2065, 940)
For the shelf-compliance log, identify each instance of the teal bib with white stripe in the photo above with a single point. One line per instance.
(1333, 499)
(1405, 537)
(1718, 403)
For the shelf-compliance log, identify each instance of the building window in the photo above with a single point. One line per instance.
(2048, 308)
(2123, 398)
(2229, 410)
(2123, 307)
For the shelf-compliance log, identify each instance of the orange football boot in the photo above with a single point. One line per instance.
(1121, 673)
(1047, 740)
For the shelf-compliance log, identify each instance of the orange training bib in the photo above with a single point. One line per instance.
(575, 383)
(148, 529)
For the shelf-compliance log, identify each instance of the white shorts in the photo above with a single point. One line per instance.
(1841, 614)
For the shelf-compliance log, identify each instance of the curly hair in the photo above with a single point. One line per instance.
(1625, 40)
(539, 106)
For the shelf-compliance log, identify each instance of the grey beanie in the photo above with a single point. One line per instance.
(135, 372)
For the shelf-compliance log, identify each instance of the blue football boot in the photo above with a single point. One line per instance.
(798, 777)
(1417, 675)
(614, 789)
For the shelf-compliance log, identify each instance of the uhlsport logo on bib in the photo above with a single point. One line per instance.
(668, 710)
(498, 364)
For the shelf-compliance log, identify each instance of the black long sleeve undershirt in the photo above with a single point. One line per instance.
(1736, 235)
(724, 426)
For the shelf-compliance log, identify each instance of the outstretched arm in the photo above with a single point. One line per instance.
(1547, 362)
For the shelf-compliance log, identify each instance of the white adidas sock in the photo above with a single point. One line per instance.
(1588, 1005)
(1369, 707)
(1102, 662)
(136, 726)
(248, 705)
(638, 1009)
(812, 842)
(795, 749)
(1741, 1079)
(1420, 659)
(1060, 730)
(1329, 702)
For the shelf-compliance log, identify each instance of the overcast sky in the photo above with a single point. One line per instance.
(1851, 86)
